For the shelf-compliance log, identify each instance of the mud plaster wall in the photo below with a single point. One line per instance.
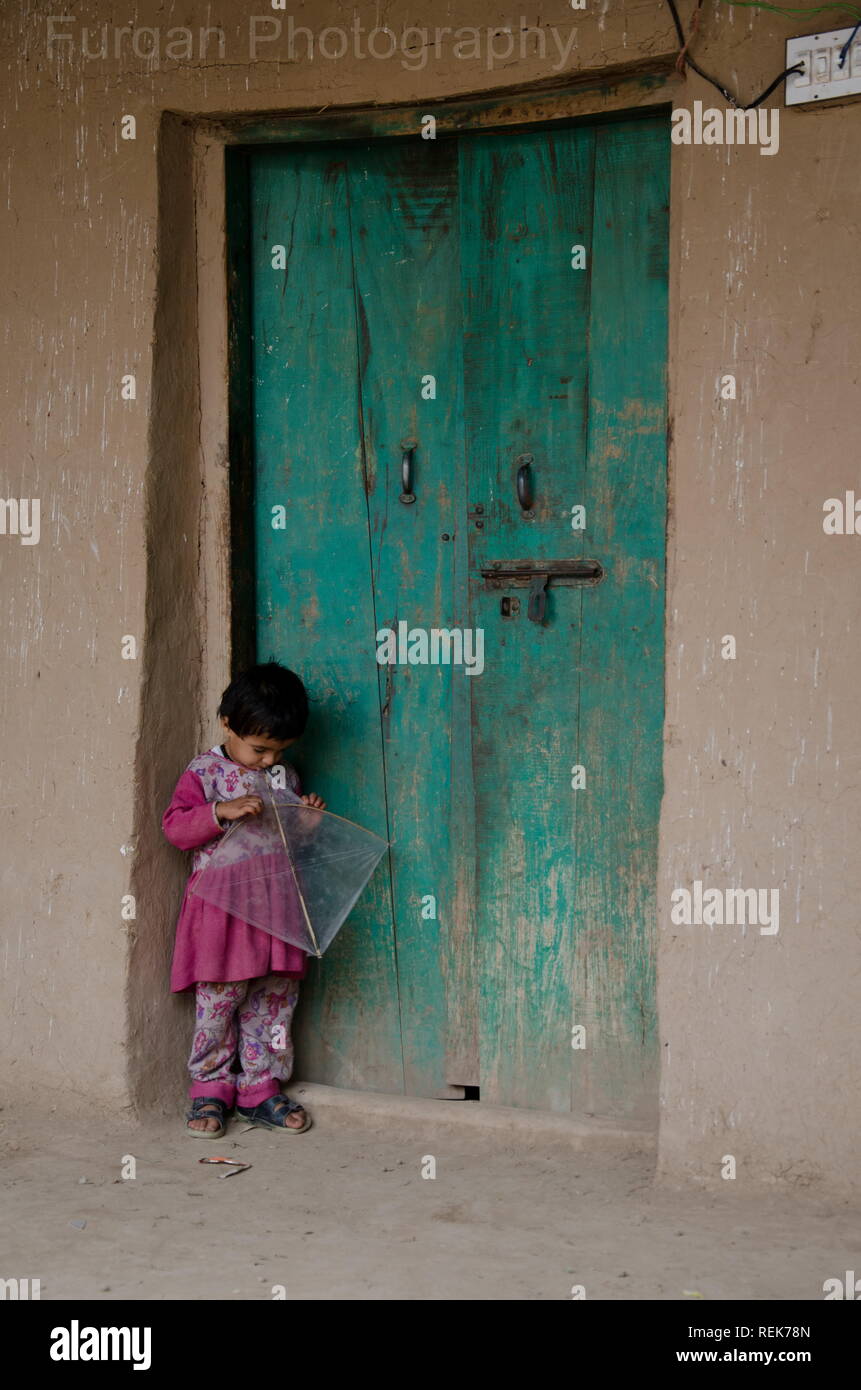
(106, 248)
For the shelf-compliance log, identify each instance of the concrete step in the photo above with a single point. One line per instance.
(376, 1111)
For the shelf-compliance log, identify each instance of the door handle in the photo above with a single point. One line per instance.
(409, 447)
(525, 489)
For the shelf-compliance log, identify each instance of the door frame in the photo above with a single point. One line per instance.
(219, 149)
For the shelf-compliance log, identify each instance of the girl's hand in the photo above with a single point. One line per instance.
(315, 801)
(239, 807)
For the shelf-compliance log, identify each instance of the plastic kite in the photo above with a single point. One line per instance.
(293, 871)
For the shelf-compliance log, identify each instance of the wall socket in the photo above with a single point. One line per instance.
(823, 79)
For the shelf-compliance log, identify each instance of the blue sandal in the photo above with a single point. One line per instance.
(272, 1113)
(207, 1108)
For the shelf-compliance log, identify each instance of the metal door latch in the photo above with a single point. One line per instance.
(536, 575)
(537, 597)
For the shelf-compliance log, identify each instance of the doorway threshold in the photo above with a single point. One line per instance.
(375, 1110)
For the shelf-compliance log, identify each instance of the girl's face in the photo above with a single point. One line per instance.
(254, 751)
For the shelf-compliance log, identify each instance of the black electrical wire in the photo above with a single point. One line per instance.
(727, 95)
(848, 44)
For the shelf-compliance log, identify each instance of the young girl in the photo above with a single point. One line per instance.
(246, 982)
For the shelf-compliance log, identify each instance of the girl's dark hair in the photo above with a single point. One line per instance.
(267, 700)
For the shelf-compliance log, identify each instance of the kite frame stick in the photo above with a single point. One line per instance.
(317, 951)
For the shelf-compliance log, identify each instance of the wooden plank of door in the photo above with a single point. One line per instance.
(405, 236)
(313, 583)
(622, 648)
(526, 200)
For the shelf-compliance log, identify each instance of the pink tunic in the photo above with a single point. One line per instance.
(211, 944)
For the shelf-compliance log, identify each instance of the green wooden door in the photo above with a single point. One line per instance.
(500, 299)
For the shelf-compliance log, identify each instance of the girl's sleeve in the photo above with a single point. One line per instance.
(189, 820)
(291, 778)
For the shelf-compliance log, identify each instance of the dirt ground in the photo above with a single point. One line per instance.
(342, 1212)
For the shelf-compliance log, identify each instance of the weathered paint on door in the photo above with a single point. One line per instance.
(515, 906)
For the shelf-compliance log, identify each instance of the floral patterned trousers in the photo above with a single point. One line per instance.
(251, 1018)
